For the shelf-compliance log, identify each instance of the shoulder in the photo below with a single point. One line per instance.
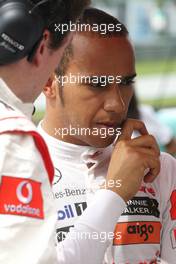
(18, 151)
(14, 126)
(16, 138)
(168, 164)
(166, 180)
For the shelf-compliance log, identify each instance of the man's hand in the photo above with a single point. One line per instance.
(131, 158)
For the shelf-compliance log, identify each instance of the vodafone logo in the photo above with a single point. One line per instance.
(22, 197)
(22, 187)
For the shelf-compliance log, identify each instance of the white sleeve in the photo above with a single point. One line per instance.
(27, 215)
(31, 240)
(89, 239)
(168, 188)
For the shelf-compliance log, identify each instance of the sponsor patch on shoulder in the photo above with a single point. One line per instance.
(22, 197)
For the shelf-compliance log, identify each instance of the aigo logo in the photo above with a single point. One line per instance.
(142, 232)
(22, 197)
(19, 192)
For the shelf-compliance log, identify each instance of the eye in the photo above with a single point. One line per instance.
(127, 81)
(98, 82)
(98, 85)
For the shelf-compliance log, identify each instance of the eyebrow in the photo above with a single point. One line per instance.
(124, 79)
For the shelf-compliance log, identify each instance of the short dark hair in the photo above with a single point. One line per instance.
(60, 12)
(91, 16)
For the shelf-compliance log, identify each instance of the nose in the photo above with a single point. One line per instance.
(114, 101)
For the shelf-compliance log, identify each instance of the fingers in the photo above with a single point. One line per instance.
(128, 128)
(142, 152)
(146, 141)
(154, 166)
(148, 151)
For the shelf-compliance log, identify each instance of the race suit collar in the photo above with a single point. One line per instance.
(74, 153)
(11, 100)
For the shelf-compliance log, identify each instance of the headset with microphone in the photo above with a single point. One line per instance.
(21, 29)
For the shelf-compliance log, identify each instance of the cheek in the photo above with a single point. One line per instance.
(127, 95)
(77, 112)
(81, 105)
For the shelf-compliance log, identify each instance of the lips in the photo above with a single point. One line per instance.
(107, 124)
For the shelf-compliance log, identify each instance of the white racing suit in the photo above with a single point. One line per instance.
(27, 208)
(146, 231)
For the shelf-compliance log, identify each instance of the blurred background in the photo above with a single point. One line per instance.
(152, 28)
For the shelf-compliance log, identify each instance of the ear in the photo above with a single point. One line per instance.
(50, 88)
(42, 49)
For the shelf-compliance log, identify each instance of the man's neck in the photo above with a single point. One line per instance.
(58, 131)
(20, 81)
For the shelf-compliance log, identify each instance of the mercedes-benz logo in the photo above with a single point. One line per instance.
(57, 176)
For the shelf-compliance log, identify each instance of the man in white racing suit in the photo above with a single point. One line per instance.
(78, 127)
(27, 208)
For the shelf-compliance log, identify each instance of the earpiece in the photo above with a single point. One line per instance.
(21, 28)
